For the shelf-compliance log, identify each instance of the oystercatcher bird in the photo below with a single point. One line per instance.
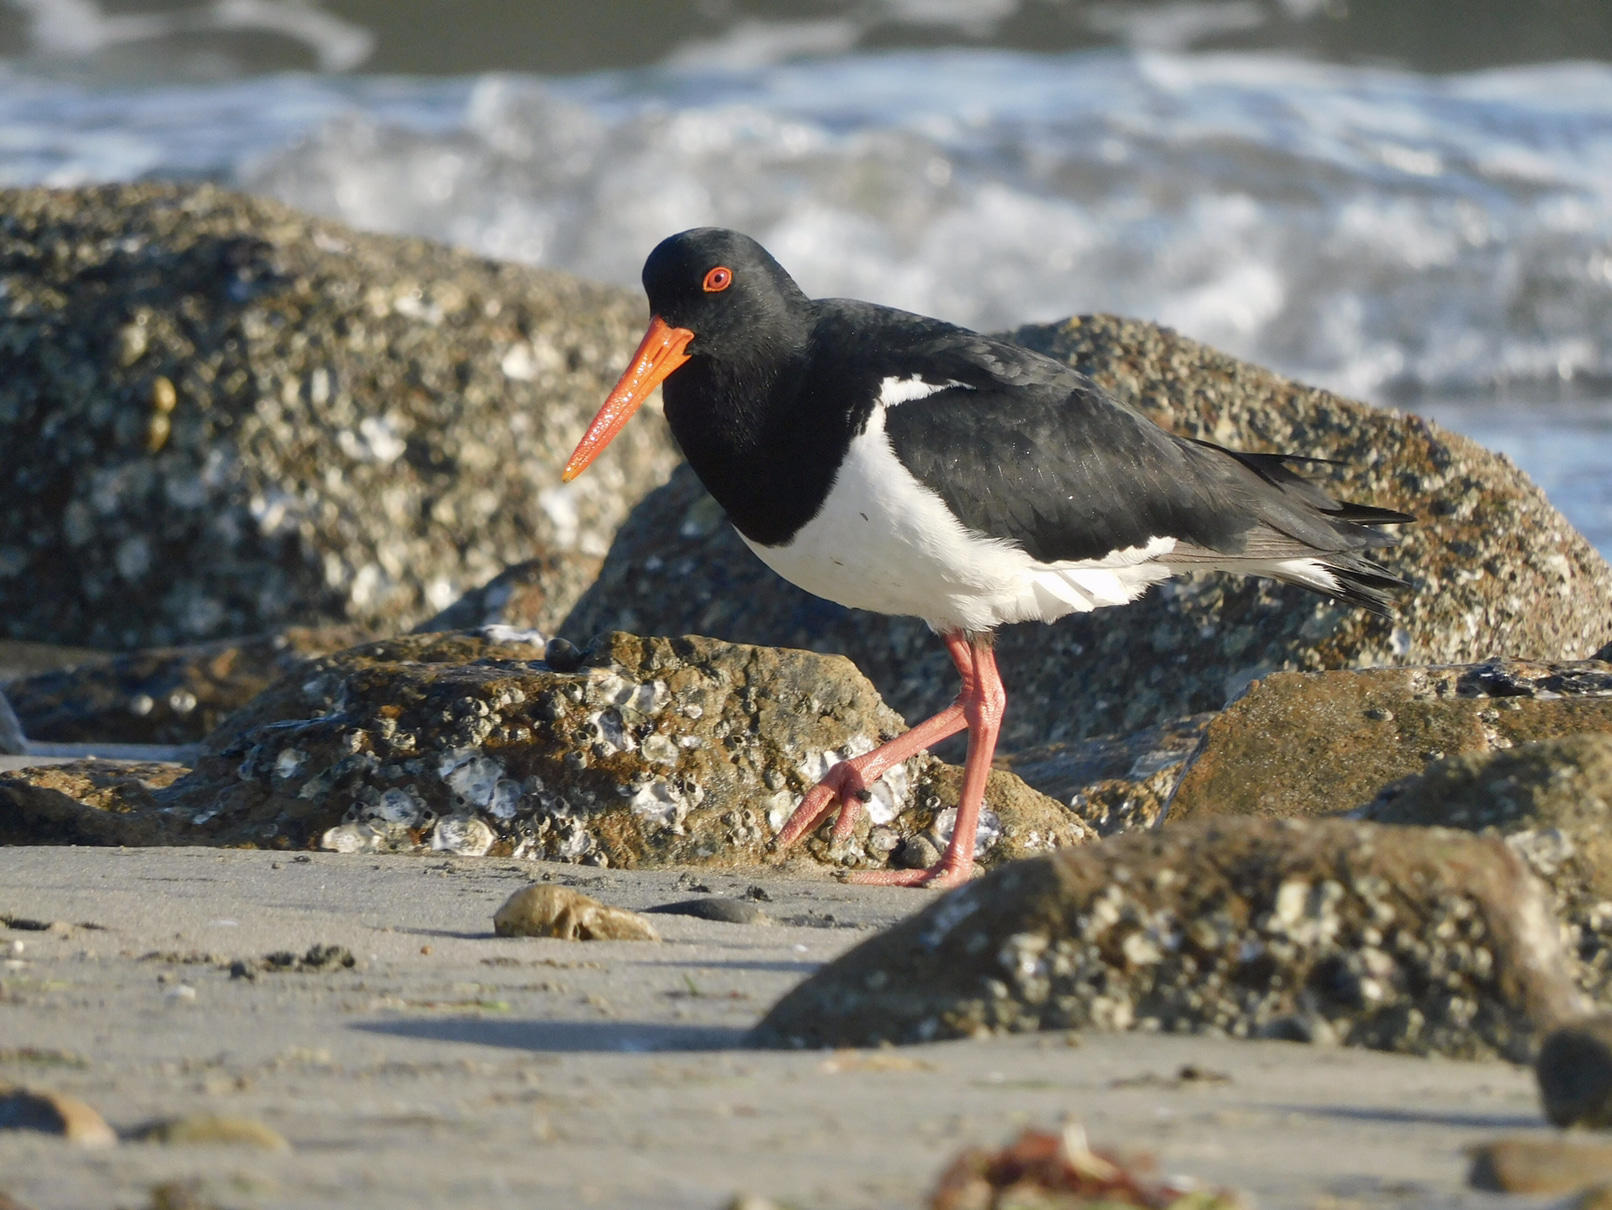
(908, 466)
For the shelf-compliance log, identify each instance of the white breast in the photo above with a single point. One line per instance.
(886, 543)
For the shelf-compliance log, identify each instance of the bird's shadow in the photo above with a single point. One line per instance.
(565, 1037)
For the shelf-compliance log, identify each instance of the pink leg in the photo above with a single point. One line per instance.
(979, 707)
(847, 782)
(985, 702)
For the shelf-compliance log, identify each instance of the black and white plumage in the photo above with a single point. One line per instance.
(899, 464)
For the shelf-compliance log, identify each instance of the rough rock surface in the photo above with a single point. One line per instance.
(1552, 802)
(545, 910)
(1496, 569)
(1419, 940)
(1313, 743)
(222, 417)
(654, 751)
(98, 802)
(1116, 783)
(1574, 1069)
(164, 695)
(533, 595)
(320, 685)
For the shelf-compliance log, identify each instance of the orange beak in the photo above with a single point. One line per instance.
(658, 355)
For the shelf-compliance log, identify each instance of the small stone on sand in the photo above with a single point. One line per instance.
(728, 911)
(54, 1113)
(1574, 1070)
(1540, 1166)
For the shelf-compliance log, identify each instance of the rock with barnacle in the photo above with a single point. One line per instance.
(1418, 940)
(635, 752)
(1551, 801)
(221, 417)
(1345, 735)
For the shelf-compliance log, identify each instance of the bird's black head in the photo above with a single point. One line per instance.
(717, 300)
(726, 289)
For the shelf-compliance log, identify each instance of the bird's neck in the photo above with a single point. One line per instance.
(763, 448)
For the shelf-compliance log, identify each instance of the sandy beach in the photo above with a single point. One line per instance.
(455, 1067)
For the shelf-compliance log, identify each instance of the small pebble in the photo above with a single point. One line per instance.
(54, 1113)
(728, 911)
(1574, 1070)
(562, 655)
(1539, 1166)
(180, 993)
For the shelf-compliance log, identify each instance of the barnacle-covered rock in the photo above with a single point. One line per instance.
(221, 417)
(1551, 801)
(648, 751)
(1419, 940)
(1313, 743)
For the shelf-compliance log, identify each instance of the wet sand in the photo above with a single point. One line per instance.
(454, 1067)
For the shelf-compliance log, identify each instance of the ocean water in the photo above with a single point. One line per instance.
(1436, 242)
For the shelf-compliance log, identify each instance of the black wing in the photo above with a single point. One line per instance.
(1032, 452)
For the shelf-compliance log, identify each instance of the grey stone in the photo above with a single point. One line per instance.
(532, 595)
(164, 695)
(1574, 1069)
(1115, 783)
(728, 911)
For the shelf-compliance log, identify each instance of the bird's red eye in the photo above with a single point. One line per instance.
(717, 279)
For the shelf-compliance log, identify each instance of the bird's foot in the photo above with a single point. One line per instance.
(939, 877)
(842, 785)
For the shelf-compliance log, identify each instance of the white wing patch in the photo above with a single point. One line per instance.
(893, 391)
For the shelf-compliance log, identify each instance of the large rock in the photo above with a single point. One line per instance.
(1314, 743)
(221, 417)
(1496, 570)
(1420, 940)
(1552, 802)
(651, 751)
